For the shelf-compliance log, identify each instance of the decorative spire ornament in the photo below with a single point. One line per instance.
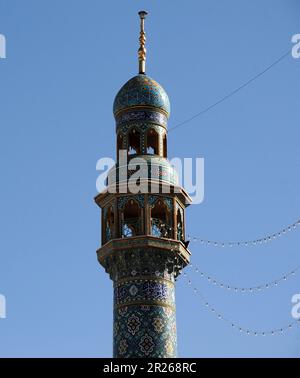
(142, 50)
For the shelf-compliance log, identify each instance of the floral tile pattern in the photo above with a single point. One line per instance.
(145, 331)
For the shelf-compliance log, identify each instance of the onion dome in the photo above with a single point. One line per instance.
(142, 91)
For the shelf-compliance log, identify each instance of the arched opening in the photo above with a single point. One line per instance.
(120, 140)
(134, 144)
(131, 225)
(152, 142)
(160, 220)
(165, 152)
(179, 225)
(109, 224)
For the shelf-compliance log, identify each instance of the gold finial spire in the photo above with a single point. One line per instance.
(142, 50)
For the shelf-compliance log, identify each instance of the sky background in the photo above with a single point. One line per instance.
(66, 60)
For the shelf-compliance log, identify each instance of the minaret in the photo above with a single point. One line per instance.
(143, 232)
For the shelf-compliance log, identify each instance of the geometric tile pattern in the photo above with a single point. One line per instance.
(145, 331)
(141, 90)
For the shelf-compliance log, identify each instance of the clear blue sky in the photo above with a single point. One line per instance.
(65, 62)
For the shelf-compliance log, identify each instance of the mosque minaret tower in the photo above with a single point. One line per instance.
(143, 246)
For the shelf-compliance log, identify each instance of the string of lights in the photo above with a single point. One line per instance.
(238, 289)
(246, 243)
(236, 326)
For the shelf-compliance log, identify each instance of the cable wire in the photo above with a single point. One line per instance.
(232, 93)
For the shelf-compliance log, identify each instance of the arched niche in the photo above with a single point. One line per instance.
(134, 142)
(109, 222)
(160, 220)
(120, 143)
(152, 142)
(130, 219)
(179, 224)
(164, 146)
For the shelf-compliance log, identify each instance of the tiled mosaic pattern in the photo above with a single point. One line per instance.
(141, 90)
(152, 116)
(144, 290)
(145, 329)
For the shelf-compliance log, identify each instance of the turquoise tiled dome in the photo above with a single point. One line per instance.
(141, 90)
